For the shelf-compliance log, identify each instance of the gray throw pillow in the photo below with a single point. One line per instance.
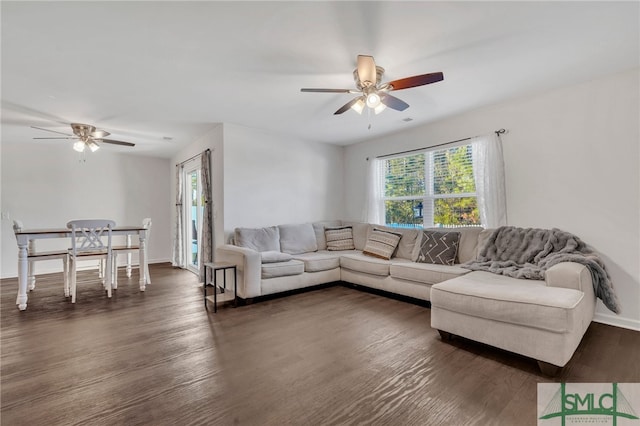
(297, 239)
(339, 238)
(258, 239)
(274, 257)
(381, 243)
(440, 247)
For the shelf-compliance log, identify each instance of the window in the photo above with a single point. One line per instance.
(193, 215)
(431, 188)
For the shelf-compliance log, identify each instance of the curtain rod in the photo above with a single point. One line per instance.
(497, 132)
(191, 158)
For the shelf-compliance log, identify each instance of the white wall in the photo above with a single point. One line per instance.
(271, 179)
(572, 159)
(45, 186)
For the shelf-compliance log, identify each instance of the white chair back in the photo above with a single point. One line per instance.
(87, 243)
(128, 250)
(87, 235)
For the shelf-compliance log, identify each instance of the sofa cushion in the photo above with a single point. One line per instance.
(318, 228)
(282, 269)
(296, 239)
(407, 245)
(340, 238)
(319, 261)
(439, 247)
(360, 233)
(381, 243)
(362, 263)
(274, 257)
(258, 239)
(511, 300)
(426, 273)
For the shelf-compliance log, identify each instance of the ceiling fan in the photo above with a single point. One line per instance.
(86, 136)
(372, 92)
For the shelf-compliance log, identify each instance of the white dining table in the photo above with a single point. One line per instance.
(26, 243)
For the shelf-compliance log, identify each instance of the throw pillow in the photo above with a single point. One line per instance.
(381, 243)
(297, 239)
(275, 257)
(339, 238)
(318, 228)
(258, 239)
(439, 247)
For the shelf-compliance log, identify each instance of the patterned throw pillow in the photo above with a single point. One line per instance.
(381, 243)
(439, 247)
(340, 238)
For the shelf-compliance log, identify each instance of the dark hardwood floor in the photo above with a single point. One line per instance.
(331, 356)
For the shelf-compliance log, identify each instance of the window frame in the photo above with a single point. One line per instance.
(429, 197)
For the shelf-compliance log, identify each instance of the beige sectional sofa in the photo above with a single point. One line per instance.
(544, 320)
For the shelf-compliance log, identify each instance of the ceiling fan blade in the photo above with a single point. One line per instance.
(326, 90)
(113, 142)
(346, 106)
(99, 134)
(53, 131)
(416, 80)
(393, 102)
(58, 138)
(366, 70)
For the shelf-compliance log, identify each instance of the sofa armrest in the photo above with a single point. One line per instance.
(249, 267)
(569, 275)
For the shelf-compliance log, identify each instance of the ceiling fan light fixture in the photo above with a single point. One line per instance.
(79, 146)
(358, 106)
(373, 100)
(381, 107)
(93, 146)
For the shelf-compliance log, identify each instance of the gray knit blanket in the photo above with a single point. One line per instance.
(528, 253)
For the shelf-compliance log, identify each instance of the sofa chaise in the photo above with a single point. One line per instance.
(544, 320)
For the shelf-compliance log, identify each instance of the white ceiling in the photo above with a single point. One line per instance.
(148, 70)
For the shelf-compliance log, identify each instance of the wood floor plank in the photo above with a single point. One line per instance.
(331, 356)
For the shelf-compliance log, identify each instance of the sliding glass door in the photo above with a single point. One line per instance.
(193, 216)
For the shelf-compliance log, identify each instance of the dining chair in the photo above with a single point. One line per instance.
(87, 243)
(34, 256)
(128, 250)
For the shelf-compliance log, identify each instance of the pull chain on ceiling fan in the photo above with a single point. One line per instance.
(86, 136)
(375, 94)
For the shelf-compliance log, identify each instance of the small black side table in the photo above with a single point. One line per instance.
(225, 294)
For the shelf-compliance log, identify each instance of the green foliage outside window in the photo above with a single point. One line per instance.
(452, 174)
(404, 176)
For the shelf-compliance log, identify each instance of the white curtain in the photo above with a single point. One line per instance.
(206, 245)
(178, 252)
(374, 206)
(488, 170)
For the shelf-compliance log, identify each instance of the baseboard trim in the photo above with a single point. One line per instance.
(617, 321)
